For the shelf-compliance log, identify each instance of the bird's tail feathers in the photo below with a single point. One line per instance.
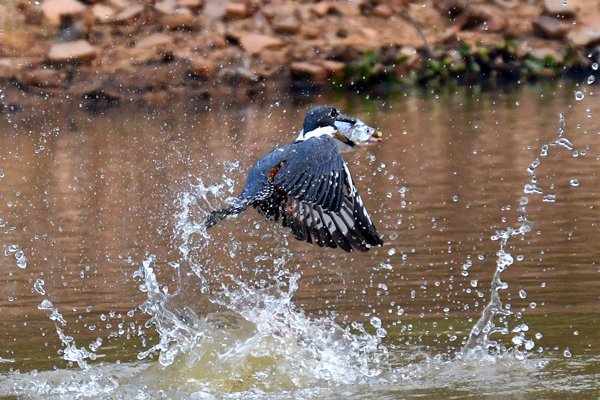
(219, 215)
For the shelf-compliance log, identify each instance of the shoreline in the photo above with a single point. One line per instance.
(111, 51)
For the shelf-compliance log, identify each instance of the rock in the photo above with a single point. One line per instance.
(33, 15)
(7, 69)
(166, 6)
(334, 68)
(286, 25)
(43, 77)
(237, 11)
(346, 8)
(129, 14)
(153, 49)
(410, 57)
(238, 76)
(102, 13)
(451, 8)
(54, 9)
(551, 28)
(382, 11)
(311, 32)
(80, 51)
(321, 9)
(193, 5)
(560, 8)
(303, 70)
(202, 68)
(117, 4)
(491, 19)
(10, 66)
(545, 52)
(346, 52)
(254, 42)
(456, 61)
(180, 19)
(82, 86)
(154, 40)
(584, 37)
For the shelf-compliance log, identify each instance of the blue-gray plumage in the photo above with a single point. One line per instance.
(307, 186)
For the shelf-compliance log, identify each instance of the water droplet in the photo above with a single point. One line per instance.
(522, 294)
(591, 79)
(375, 322)
(391, 252)
(386, 266)
(455, 198)
(45, 305)
(529, 344)
(576, 333)
(474, 282)
(579, 95)
(38, 286)
(533, 304)
(595, 66)
(532, 189)
(574, 182)
(567, 353)
(549, 198)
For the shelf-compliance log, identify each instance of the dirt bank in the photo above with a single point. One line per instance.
(115, 49)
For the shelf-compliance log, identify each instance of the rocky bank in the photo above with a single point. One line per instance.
(111, 50)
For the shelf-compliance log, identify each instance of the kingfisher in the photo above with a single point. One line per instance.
(307, 186)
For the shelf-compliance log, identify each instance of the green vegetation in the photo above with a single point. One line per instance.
(502, 62)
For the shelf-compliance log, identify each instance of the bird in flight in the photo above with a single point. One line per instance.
(307, 186)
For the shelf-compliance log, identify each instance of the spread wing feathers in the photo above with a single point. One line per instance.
(349, 228)
(313, 173)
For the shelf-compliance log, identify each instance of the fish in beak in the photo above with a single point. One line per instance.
(354, 132)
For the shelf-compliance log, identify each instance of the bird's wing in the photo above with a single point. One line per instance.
(313, 172)
(322, 203)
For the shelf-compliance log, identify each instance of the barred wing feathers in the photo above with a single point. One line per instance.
(318, 200)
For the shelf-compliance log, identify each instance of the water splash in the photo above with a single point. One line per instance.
(19, 255)
(71, 353)
(252, 335)
(256, 336)
(175, 335)
(479, 345)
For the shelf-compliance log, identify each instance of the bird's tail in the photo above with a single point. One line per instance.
(219, 215)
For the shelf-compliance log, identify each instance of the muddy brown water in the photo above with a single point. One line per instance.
(87, 196)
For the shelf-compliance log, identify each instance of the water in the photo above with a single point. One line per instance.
(119, 294)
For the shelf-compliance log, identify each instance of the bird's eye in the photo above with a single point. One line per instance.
(334, 112)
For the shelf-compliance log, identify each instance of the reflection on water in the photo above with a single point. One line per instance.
(98, 214)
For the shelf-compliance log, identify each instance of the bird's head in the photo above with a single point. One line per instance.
(347, 130)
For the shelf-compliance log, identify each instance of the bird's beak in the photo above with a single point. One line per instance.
(338, 135)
